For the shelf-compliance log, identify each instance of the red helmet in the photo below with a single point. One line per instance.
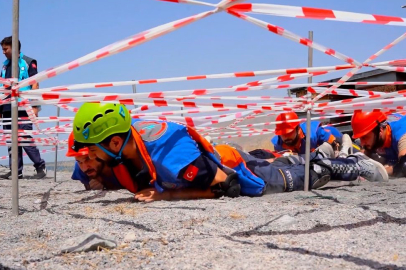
(364, 122)
(73, 153)
(286, 127)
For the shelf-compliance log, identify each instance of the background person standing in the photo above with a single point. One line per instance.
(27, 68)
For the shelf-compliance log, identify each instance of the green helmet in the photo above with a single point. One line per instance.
(94, 122)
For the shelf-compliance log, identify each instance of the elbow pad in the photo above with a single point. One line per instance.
(399, 170)
(229, 188)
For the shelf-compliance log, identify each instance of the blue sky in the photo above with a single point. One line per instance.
(56, 32)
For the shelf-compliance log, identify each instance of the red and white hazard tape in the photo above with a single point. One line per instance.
(72, 97)
(125, 44)
(292, 121)
(296, 38)
(241, 135)
(243, 74)
(351, 73)
(396, 69)
(114, 48)
(400, 62)
(198, 98)
(318, 13)
(44, 151)
(190, 2)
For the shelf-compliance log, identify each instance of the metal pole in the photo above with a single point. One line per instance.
(56, 146)
(309, 116)
(135, 91)
(14, 107)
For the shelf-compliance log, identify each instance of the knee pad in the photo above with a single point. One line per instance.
(296, 159)
(229, 188)
(323, 163)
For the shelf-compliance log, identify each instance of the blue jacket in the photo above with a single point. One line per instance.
(168, 147)
(398, 129)
(318, 135)
(23, 64)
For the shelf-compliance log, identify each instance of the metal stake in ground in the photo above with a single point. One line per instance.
(56, 146)
(14, 107)
(135, 91)
(309, 116)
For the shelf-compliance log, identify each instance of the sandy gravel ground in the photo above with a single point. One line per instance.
(340, 227)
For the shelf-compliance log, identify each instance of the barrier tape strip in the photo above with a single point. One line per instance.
(157, 100)
(242, 74)
(296, 38)
(318, 14)
(347, 76)
(45, 151)
(115, 48)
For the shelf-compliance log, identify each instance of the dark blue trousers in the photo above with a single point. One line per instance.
(281, 175)
(32, 151)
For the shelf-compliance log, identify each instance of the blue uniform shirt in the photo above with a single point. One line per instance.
(318, 135)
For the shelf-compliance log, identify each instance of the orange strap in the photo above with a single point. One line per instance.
(144, 154)
(331, 139)
(124, 177)
(199, 139)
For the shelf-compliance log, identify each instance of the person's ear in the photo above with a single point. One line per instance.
(115, 143)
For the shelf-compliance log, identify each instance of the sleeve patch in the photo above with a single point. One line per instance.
(190, 173)
(150, 130)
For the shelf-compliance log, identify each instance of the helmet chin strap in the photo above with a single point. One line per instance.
(118, 156)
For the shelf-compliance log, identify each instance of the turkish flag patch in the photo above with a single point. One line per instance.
(190, 173)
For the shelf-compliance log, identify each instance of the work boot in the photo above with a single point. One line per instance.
(319, 176)
(326, 150)
(346, 146)
(41, 173)
(370, 169)
(8, 176)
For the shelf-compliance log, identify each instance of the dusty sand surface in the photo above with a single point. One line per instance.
(340, 227)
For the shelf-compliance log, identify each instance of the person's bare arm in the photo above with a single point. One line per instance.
(220, 177)
(151, 194)
(95, 184)
(389, 169)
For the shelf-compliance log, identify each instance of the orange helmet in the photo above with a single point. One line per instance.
(364, 122)
(73, 153)
(286, 127)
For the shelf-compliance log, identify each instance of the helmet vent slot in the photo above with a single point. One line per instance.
(86, 125)
(109, 111)
(97, 116)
